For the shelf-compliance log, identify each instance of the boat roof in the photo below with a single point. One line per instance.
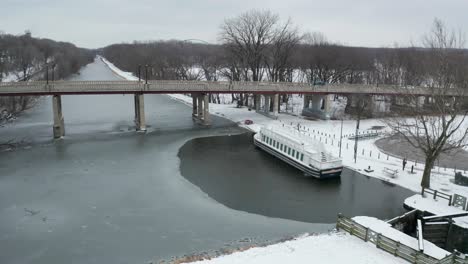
(310, 145)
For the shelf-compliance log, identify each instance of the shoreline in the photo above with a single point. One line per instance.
(368, 152)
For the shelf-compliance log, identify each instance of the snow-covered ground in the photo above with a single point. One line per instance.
(12, 77)
(325, 248)
(119, 72)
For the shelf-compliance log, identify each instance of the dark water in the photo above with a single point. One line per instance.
(248, 179)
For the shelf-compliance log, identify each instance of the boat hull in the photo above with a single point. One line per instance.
(308, 171)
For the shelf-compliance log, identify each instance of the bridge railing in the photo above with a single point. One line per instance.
(161, 86)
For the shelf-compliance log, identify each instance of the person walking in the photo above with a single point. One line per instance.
(404, 163)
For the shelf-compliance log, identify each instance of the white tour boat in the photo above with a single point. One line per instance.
(298, 150)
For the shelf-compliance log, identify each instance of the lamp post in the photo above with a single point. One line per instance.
(53, 71)
(47, 73)
(139, 73)
(146, 74)
(341, 135)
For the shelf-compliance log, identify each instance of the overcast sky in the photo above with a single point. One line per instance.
(97, 23)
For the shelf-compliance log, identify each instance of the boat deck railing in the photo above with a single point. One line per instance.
(325, 161)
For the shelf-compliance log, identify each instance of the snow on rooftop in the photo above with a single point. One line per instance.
(436, 207)
(387, 230)
(325, 248)
(293, 135)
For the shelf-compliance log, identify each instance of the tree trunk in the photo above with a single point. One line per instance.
(426, 179)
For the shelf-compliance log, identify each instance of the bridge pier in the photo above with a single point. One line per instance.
(257, 103)
(201, 108)
(194, 105)
(59, 124)
(275, 105)
(306, 101)
(140, 122)
(206, 110)
(269, 102)
(317, 106)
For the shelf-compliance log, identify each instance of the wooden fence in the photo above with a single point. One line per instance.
(391, 246)
(435, 194)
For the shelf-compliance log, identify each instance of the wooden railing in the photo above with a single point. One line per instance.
(401, 217)
(435, 194)
(391, 246)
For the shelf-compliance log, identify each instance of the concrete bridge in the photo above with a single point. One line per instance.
(315, 96)
(168, 87)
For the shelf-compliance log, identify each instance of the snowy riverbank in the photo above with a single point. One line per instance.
(327, 132)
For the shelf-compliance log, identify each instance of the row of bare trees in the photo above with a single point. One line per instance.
(24, 57)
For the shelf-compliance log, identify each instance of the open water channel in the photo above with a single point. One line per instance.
(106, 194)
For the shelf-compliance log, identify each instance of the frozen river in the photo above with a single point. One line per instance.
(106, 194)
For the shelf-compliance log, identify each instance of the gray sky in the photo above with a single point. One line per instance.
(97, 23)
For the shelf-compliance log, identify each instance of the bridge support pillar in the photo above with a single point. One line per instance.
(140, 122)
(257, 98)
(275, 105)
(201, 108)
(267, 104)
(306, 101)
(320, 107)
(194, 105)
(206, 110)
(59, 124)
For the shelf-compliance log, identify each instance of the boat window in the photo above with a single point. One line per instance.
(302, 156)
(277, 144)
(293, 153)
(289, 151)
(274, 143)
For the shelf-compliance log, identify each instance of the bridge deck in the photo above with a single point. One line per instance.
(167, 87)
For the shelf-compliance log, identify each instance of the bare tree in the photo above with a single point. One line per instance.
(279, 53)
(246, 38)
(438, 126)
